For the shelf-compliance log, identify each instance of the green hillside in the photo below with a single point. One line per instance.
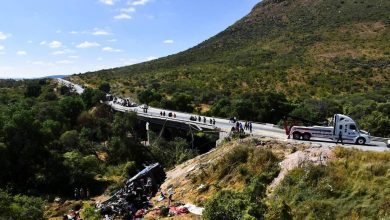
(304, 49)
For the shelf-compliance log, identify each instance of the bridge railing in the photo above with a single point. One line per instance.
(149, 115)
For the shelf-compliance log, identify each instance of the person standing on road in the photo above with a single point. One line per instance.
(340, 138)
(250, 127)
(76, 194)
(81, 193)
(213, 121)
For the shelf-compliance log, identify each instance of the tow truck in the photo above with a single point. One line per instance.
(343, 124)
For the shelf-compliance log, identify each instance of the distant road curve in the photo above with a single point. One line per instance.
(78, 89)
(259, 129)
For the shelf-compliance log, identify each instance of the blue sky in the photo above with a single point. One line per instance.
(50, 37)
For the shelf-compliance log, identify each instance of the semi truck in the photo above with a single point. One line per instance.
(341, 125)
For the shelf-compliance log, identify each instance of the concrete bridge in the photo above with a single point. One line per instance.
(221, 126)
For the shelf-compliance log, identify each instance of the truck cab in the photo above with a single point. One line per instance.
(349, 130)
(341, 125)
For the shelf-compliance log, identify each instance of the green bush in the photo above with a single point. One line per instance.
(225, 205)
(130, 169)
(20, 207)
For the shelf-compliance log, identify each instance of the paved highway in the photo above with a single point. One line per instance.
(259, 129)
(77, 88)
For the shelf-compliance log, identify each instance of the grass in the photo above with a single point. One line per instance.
(354, 186)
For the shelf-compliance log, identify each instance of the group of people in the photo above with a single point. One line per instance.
(119, 101)
(239, 127)
(81, 194)
(170, 114)
(145, 108)
(204, 119)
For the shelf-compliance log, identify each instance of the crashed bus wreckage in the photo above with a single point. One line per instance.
(133, 199)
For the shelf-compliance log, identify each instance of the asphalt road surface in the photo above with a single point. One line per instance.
(258, 129)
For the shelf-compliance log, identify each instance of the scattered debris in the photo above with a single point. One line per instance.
(133, 199)
(194, 209)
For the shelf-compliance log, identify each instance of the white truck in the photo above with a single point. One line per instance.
(341, 123)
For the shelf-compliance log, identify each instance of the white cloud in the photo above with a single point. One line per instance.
(110, 49)
(107, 2)
(30, 42)
(100, 32)
(37, 62)
(128, 10)
(21, 53)
(151, 58)
(55, 44)
(99, 59)
(122, 16)
(64, 62)
(43, 43)
(73, 57)
(1, 47)
(139, 2)
(3, 36)
(168, 41)
(60, 52)
(113, 40)
(73, 32)
(87, 44)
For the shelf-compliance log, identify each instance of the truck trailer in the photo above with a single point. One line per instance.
(341, 125)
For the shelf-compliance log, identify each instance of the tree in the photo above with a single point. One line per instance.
(377, 124)
(65, 90)
(33, 89)
(82, 169)
(51, 129)
(20, 207)
(148, 96)
(222, 108)
(105, 87)
(92, 96)
(124, 124)
(71, 107)
(70, 139)
(182, 102)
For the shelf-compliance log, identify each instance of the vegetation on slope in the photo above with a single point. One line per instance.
(53, 141)
(318, 54)
(354, 186)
